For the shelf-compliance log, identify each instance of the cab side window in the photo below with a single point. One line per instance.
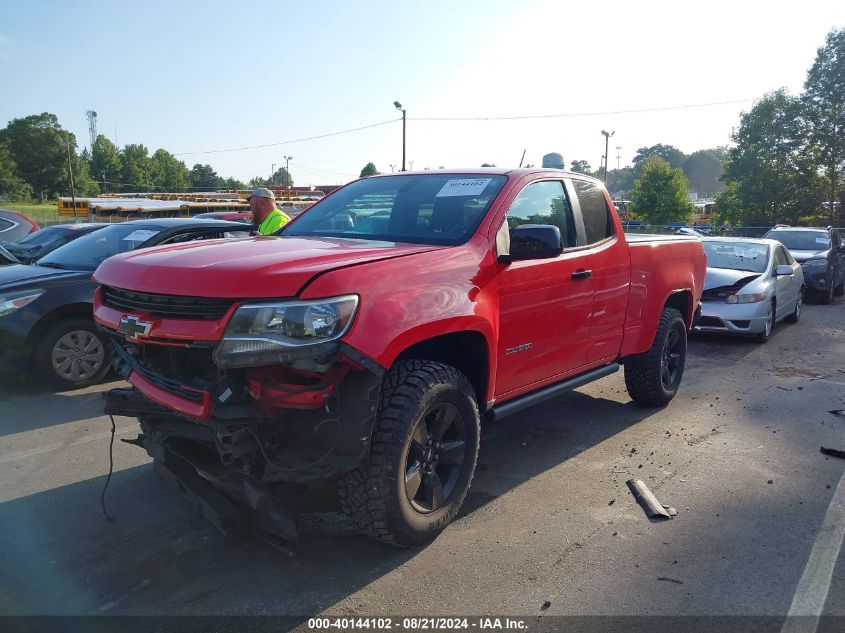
(597, 222)
(544, 202)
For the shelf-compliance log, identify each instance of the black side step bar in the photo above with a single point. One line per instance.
(552, 391)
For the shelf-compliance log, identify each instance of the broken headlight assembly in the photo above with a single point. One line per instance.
(280, 332)
(750, 298)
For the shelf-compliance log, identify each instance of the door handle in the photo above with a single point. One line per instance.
(582, 274)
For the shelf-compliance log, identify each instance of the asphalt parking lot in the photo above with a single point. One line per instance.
(548, 519)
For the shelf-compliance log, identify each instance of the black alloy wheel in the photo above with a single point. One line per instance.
(435, 458)
(671, 366)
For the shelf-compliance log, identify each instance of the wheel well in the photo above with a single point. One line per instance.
(465, 351)
(72, 310)
(681, 301)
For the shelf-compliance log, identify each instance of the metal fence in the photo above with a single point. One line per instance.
(715, 231)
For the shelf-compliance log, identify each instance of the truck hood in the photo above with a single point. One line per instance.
(257, 267)
(20, 276)
(803, 256)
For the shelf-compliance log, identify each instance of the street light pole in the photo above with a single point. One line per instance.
(399, 107)
(272, 173)
(70, 173)
(607, 136)
(287, 173)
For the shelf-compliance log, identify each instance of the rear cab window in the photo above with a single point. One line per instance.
(598, 225)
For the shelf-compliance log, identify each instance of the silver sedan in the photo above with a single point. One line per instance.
(750, 286)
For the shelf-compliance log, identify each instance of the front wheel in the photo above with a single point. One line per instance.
(796, 314)
(423, 455)
(653, 378)
(763, 336)
(829, 296)
(71, 354)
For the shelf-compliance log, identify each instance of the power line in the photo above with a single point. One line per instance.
(298, 140)
(579, 114)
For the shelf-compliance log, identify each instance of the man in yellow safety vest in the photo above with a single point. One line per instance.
(265, 215)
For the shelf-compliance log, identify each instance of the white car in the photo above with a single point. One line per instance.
(750, 286)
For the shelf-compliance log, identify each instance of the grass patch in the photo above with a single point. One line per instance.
(46, 213)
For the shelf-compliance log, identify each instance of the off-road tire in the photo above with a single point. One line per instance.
(43, 354)
(643, 373)
(374, 495)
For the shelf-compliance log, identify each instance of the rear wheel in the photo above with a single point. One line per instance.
(71, 354)
(829, 296)
(653, 378)
(422, 459)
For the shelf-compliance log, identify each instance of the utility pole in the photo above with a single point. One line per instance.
(399, 107)
(272, 174)
(287, 173)
(70, 173)
(607, 136)
(618, 156)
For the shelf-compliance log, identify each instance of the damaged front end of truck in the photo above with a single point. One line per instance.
(265, 401)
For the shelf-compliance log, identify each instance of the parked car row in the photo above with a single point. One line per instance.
(46, 317)
(752, 284)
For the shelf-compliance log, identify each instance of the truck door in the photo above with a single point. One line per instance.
(544, 303)
(605, 255)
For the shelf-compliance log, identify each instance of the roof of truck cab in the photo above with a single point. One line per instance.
(486, 171)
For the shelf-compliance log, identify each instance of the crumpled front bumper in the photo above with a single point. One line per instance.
(726, 318)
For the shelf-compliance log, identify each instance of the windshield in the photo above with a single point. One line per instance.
(802, 240)
(89, 251)
(39, 239)
(746, 256)
(420, 209)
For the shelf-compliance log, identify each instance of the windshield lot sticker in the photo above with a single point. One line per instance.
(463, 187)
(139, 236)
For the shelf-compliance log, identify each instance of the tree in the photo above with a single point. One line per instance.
(581, 167)
(670, 154)
(369, 170)
(488, 165)
(703, 169)
(11, 185)
(232, 183)
(824, 100)
(168, 173)
(281, 178)
(661, 194)
(39, 148)
(621, 180)
(769, 155)
(105, 163)
(204, 178)
(136, 169)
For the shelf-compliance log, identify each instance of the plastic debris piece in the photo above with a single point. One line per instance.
(645, 497)
(833, 452)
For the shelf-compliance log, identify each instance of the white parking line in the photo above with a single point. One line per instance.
(811, 594)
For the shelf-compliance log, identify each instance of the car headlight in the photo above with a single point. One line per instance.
(815, 263)
(16, 300)
(266, 333)
(755, 298)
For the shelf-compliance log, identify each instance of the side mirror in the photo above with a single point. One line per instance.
(783, 269)
(535, 241)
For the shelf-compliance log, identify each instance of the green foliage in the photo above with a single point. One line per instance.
(661, 194)
(39, 146)
(204, 178)
(280, 178)
(581, 167)
(621, 180)
(672, 155)
(106, 164)
(703, 170)
(369, 170)
(232, 183)
(482, 164)
(168, 173)
(11, 185)
(135, 169)
(824, 105)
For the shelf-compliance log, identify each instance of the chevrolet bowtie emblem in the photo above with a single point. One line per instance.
(132, 328)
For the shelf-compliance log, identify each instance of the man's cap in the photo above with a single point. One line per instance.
(262, 192)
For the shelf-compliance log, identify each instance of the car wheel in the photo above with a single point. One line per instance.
(653, 378)
(796, 314)
(763, 336)
(71, 354)
(422, 459)
(839, 290)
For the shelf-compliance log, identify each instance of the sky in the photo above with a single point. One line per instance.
(198, 77)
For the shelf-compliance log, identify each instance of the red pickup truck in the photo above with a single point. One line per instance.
(365, 344)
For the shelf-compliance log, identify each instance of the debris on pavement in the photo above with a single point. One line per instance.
(839, 412)
(546, 605)
(645, 497)
(667, 579)
(833, 452)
